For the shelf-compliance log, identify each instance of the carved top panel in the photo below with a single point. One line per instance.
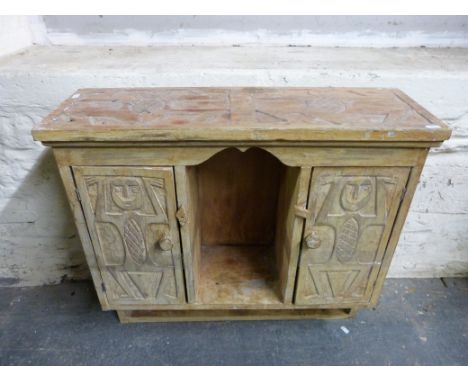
(241, 114)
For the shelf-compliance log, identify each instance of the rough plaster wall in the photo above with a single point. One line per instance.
(38, 242)
(345, 31)
(15, 34)
(20, 32)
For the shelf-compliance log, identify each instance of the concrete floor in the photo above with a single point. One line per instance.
(418, 322)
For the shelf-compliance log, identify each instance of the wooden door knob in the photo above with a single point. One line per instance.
(312, 240)
(165, 242)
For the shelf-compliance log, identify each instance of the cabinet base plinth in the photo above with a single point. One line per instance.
(133, 316)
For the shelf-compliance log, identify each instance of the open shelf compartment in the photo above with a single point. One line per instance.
(239, 201)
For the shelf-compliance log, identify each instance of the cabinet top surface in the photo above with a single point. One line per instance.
(240, 114)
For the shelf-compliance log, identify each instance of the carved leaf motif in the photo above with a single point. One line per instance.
(111, 244)
(347, 239)
(134, 241)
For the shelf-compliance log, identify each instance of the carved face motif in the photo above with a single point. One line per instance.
(356, 194)
(126, 193)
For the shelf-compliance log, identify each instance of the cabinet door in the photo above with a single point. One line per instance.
(130, 213)
(351, 213)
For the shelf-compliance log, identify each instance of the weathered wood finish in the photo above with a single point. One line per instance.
(194, 155)
(238, 275)
(293, 197)
(239, 203)
(135, 316)
(398, 226)
(189, 223)
(242, 187)
(70, 189)
(351, 216)
(131, 218)
(240, 114)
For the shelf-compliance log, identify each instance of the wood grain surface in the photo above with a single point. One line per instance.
(240, 114)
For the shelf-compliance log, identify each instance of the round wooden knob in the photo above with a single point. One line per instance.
(312, 240)
(165, 242)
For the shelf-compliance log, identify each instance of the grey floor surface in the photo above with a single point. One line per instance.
(418, 322)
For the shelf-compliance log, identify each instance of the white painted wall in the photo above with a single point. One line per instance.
(38, 242)
(346, 31)
(20, 32)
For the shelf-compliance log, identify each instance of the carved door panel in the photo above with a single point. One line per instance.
(130, 213)
(351, 213)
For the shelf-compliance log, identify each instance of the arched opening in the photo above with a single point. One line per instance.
(239, 194)
(236, 250)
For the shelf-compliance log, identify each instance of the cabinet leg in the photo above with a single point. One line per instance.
(134, 316)
(123, 316)
(352, 312)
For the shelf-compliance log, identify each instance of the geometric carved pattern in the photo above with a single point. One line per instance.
(127, 215)
(352, 213)
(332, 284)
(263, 107)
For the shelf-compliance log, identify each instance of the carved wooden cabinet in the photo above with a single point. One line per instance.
(239, 203)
